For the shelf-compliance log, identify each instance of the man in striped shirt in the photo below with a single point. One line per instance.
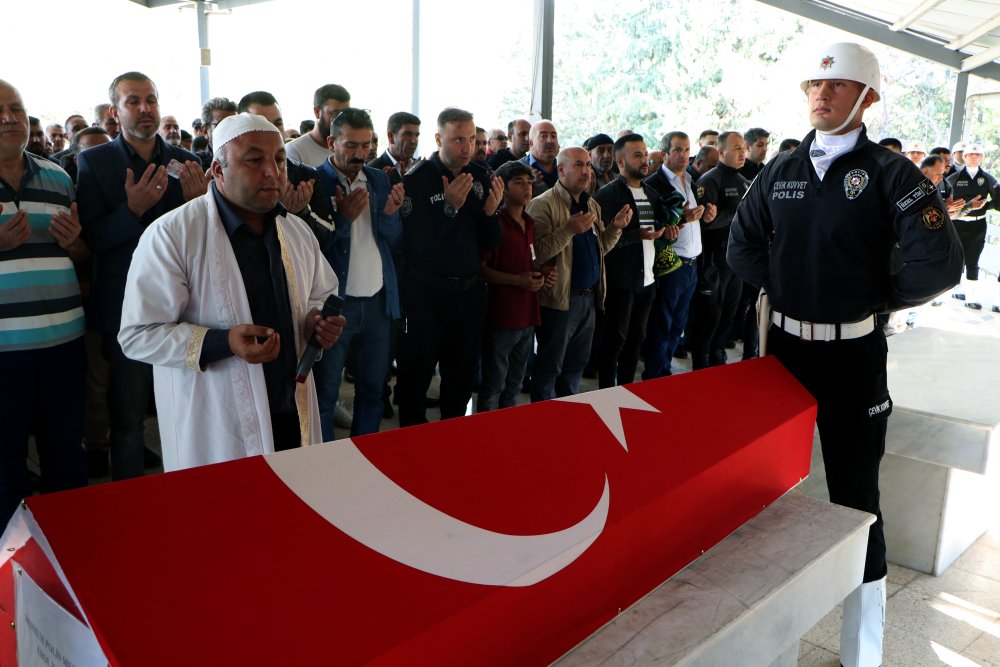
(41, 317)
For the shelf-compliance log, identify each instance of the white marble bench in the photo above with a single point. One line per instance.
(748, 600)
(939, 476)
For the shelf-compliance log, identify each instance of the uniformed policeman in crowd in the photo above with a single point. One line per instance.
(718, 293)
(982, 193)
(449, 219)
(836, 231)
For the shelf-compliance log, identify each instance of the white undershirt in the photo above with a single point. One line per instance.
(971, 171)
(831, 146)
(364, 273)
(645, 218)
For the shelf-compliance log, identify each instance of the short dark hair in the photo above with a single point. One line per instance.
(331, 91)
(185, 135)
(724, 137)
(788, 145)
(930, 161)
(199, 143)
(261, 97)
(755, 133)
(401, 118)
(216, 104)
(509, 170)
(74, 142)
(127, 76)
(454, 115)
(354, 118)
(33, 121)
(705, 133)
(306, 126)
(71, 117)
(620, 142)
(479, 129)
(890, 142)
(940, 150)
(670, 136)
(704, 152)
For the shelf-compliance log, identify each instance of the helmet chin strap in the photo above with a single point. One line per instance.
(850, 116)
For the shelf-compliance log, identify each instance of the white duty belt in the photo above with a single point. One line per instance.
(824, 332)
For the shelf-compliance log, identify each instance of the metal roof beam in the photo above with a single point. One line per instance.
(986, 56)
(912, 17)
(975, 33)
(872, 29)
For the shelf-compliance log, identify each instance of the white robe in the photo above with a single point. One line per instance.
(183, 281)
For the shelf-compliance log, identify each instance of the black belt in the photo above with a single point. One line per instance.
(687, 260)
(582, 292)
(446, 283)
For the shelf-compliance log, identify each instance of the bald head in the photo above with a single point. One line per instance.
(13, 123)
(544, 142)
(574, 169)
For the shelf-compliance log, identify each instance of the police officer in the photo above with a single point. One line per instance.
(836, 231)
(982, 192)
(718, 293)
(449, 219)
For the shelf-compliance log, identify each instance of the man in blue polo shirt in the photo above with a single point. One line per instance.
(41, 316)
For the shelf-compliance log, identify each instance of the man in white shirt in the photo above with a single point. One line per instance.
(311, 148)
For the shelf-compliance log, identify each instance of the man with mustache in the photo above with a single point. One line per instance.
(170, 130)
(123, 186)
(543, 142)
(403, 132)
(311, 148)
(366, 231)
(518, 132)
(602, 158)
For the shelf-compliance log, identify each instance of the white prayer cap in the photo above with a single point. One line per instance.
(974, 148)
(958, 148)
(911, 147)
(233, 126)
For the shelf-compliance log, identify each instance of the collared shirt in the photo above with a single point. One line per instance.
(512, 307)
(263, 273)
(364, 274)
(550, 177)
(586, 269)
(40, 302)
(139, 166)
(688, 243)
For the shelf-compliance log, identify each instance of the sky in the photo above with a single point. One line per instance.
(471, 53)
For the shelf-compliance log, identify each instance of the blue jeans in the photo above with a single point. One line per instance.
(366, 338)
(41, 392)
(564, 341)
(505, 359)
(130, 384)
(668, 319)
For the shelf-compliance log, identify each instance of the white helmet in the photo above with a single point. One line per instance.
(958, 148)
(973, 149)
(845, 60)
(915, 147)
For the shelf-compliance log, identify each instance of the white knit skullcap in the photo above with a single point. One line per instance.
(233, 126)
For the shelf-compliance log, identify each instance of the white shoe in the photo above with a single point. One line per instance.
(864, 623)
(342, 417)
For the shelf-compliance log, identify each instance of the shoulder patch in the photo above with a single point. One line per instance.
(932, 217)
(922, 190)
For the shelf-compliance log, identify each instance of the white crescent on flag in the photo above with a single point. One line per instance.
(345, 488)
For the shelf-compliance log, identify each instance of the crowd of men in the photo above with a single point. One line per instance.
(503, 261)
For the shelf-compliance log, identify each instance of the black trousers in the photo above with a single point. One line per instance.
(715, 301)
(973, 238)
(626, 313)
(848, 380)
(442, 326)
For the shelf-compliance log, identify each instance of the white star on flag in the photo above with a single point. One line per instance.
(607, 403)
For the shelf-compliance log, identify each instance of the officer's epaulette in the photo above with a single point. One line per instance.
(417, 167)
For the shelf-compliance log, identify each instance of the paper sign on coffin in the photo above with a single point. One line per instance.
(505, 538)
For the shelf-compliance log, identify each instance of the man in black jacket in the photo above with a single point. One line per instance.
(718, 292)
(402, 132)
(629, 264)
(982, 192)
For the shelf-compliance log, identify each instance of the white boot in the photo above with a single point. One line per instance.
(864, 621)
(973, 299)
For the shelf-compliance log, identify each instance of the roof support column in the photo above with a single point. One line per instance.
(958, 107)
(541, 78)
(201, 10)
(415, 58)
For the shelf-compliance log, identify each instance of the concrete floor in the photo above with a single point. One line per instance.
(950, 620)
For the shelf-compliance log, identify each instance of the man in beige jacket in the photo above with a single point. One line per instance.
(569, 234)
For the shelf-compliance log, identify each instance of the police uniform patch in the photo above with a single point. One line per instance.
(855, 183)
(980, 180)
(827, 62)
(699, 192)
(407, 206)
(932, 217)
(477, 187)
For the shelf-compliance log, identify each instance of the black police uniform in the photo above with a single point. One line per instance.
(873, 235)
(443, 297)
(714, 304)
(971, 225)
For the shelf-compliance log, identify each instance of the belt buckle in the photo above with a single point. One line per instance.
(806, 330)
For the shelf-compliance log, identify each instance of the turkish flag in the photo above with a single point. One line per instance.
(427, 545)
